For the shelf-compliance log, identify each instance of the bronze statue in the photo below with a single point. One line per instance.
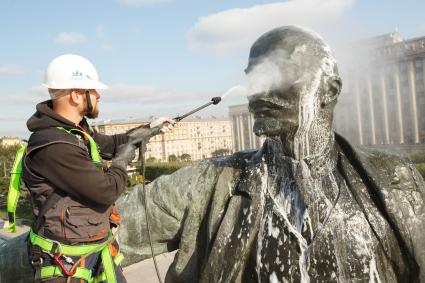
(306, 207)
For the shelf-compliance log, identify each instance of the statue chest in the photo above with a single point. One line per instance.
(315, 231)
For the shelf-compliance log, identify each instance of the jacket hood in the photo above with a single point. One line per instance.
(45, 117)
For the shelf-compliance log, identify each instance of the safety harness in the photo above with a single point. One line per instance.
(56, 250)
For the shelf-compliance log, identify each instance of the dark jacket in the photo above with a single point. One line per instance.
(58, 161)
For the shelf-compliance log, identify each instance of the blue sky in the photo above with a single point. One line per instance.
(165, 57)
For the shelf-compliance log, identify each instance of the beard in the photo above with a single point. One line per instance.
(94, 114)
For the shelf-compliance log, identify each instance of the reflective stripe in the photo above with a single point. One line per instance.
(102, 276)
(55, 271)
(94, 150)
(118, 259)
(108, 266)
(14, 188)
(47, 245)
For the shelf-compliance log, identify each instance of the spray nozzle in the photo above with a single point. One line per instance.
(216, 100)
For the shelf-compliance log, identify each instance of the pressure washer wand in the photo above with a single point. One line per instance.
(214, 100)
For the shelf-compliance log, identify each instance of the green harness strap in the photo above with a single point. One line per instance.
(14, 188)
(81, 273)
(55, 271)
(94, 150)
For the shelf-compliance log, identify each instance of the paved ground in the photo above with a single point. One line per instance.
(144, 271)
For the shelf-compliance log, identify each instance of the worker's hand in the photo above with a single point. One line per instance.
(142, 134)
(165, 123)
(126, 153)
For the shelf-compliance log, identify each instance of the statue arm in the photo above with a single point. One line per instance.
(169, 198)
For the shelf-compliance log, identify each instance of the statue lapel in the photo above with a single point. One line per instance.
(238, 230)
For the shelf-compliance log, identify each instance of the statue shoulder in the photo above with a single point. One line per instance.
(393, 170)
(389, 169)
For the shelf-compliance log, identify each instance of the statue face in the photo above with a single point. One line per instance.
(277, 110)
(293, 79)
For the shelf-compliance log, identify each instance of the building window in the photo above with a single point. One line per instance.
(418, 63)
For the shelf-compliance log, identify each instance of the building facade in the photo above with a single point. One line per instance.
(9, 141)
(199, 138)
(243, 135)
(384, 93)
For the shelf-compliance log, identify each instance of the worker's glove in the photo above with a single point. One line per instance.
(166, 123)
(126, 153)
(145, 132)
(142, 134)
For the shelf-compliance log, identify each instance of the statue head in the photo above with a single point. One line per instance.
(294, 81)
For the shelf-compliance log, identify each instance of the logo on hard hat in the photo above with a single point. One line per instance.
(77, 75)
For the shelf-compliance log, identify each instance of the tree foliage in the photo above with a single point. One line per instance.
(185, 157)
(173, 158)
(151, 159)
(220, 152)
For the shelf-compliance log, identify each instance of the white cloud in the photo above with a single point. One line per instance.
(11, 70)
(235, 28)
(141, 2)
(70, 38)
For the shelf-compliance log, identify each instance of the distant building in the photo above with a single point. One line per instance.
(9, 141)
(243, 135)
(384, 93)
(199, 138)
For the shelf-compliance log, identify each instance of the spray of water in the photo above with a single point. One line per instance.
(266, 75)
(238, 90)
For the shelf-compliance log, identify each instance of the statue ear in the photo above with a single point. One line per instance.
(334, 88)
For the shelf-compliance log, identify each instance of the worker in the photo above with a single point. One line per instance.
(72, 192)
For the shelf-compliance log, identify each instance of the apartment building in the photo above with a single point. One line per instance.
(9, 141)
(200, 138)
(384, 92)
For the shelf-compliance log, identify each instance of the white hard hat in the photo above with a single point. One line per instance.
(72, 71)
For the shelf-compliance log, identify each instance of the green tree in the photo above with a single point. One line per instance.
(172, 158)
(185, 157)
(151, 159)
(220, 152)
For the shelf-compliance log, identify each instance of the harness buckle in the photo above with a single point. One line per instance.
(68, 273)
(56, 247)
(37, 262)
